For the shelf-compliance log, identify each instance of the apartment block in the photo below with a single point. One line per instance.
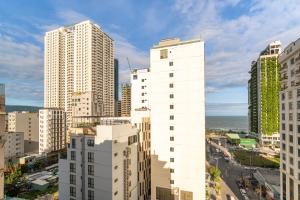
(140, 88)
(27, 123)
(140, 119)
(2, 108)
(263, 90)
(290, 122)
(101, 163)
(79, 58)
(177, 120)
(14, 144)
(126, 100)
(52, 130)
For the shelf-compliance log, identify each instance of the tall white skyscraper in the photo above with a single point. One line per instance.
(289, 122)
(177, 120)
(79, 58)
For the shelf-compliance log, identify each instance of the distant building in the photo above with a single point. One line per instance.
(116, 83)
(14, 144)
(126, 100)
(263, 89)
(2, 108)
(140, 88)
(101, 163)
(289, 122)
(177, 120)
(52, 130)
(79, 58)
(27, 123)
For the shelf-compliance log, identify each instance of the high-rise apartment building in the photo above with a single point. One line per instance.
(27, 123)
(79, 58)
(263, 89)
(290, 118)
(140, 88)
(52, 130)
(177, 120)
(2, 108)
(101, 163)
(126, 100)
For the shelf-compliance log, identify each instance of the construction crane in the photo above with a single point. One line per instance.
(129, 66)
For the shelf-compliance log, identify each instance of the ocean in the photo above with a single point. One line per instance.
(227, 122)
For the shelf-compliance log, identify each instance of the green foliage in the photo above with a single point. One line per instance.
(215, 174)
(270, 87)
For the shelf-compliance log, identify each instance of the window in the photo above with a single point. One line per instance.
(163, 53)
(171, 117)
(172, 149)
(116, 192)
(292, 61)
(171, 106)
(135, 77)
(91, 195)
(291, 149)
(290, 94)
(298, 128)
(171, 128)
(91, 157)
(290, 116)
(72, 179)
(171, 170)
(171, 85)
(298, 116)
(90, 142)
(116, 180)
(171, 138)
(171, 159)
(171, 63)
(72, 191)
(90, 170)
(282, 96)
(283, 106)
(283, 116)
(291, 106)
(90, 182)
(283, 126)
(291, 127)
(298, 140)
(171, 96)
(298, 152)
(73, 143)
(298, 92)
(73, 155)
(72, 167)
(291, 139)
(171, 75)
(171, 181)
(283, 146)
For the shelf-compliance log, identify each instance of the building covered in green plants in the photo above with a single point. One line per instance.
(263, 95)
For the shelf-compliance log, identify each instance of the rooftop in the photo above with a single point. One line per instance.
(174, 42)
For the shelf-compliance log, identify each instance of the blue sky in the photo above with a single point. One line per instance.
(235, 31)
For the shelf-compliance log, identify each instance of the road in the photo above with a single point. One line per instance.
(230, 172)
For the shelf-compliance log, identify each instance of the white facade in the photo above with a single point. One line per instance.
(14, 144)
(28, 123)
(52, 130)
(177, 119)
(78, 58)
(140, 88)
(105, 157)
(290, 122)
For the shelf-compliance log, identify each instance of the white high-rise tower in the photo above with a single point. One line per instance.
(78, 59)
(177, 120)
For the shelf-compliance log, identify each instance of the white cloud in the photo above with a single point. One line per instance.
(232, 43)
(71, 16)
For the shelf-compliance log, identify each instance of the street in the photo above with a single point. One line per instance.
(231, 173)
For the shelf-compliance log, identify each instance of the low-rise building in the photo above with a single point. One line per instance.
(28, 123)
(52, 130)
(14, 144)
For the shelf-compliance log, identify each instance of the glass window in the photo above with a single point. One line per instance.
(163, 53)
(72, 167)
(90, 182)
(91, 157)
(90, 142)
(171, 75)
(91, 195)
(90, 170)
(73, 143)
(72, 191)
(73, 155)
(72, 179)
(171, 63)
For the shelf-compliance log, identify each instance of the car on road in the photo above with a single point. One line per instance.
(229, 197)
(243, 191)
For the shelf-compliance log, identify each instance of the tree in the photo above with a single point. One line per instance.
(215, 174)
